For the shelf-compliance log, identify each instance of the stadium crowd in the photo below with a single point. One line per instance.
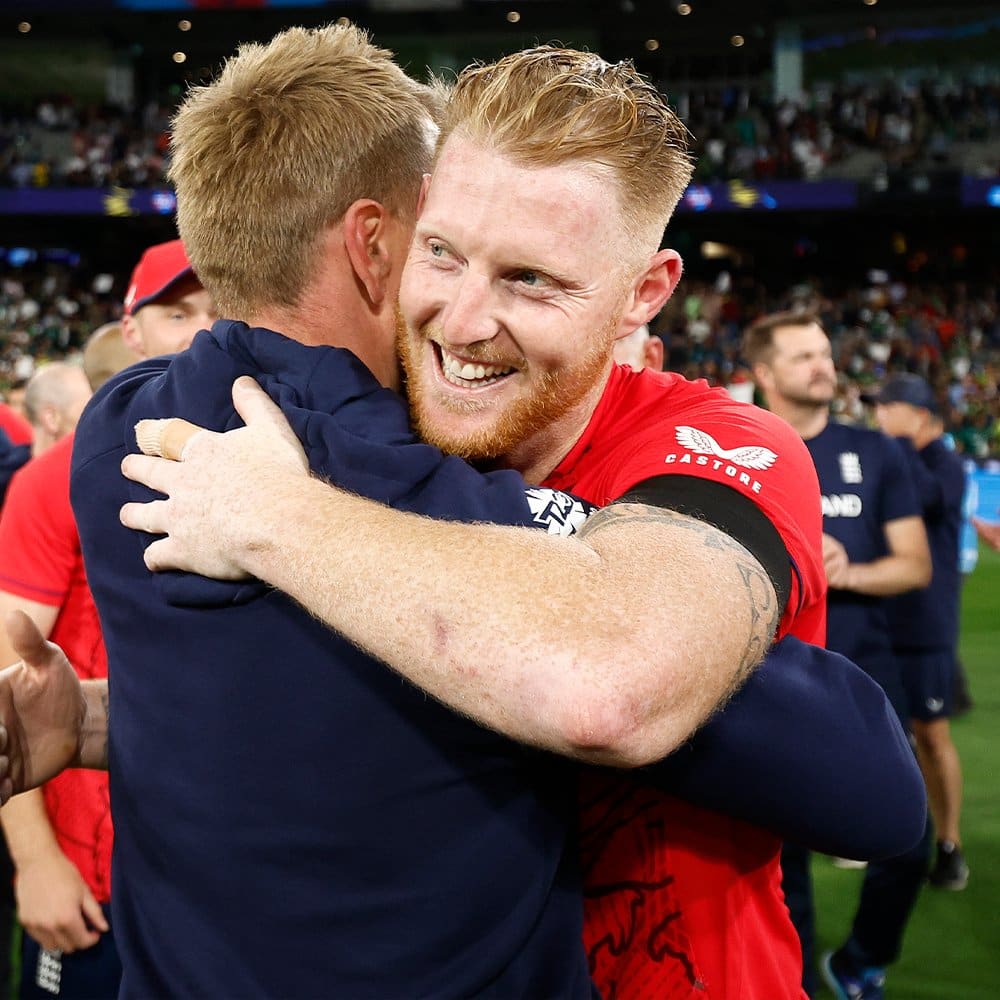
(741, 133)
(950, 334)
(59, 143)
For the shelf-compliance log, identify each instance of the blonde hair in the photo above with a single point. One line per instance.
(280, 145)
(547, 106)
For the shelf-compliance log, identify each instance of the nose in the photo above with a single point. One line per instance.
(468, 318)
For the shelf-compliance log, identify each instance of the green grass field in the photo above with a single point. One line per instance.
(952, 945)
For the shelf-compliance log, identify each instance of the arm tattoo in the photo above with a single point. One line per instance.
(106, 708)
(764, 615)
(763, 605)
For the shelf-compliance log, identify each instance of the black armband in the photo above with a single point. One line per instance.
(729, 511)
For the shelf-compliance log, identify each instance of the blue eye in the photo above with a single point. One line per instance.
(529, 278)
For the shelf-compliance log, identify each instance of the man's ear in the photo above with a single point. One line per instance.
(131, 336)
(762, 376)
(365, 226)
(422, 197)
(51, 419)
(653, 353)
(652, 288)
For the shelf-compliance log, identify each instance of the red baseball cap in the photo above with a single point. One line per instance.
(159, 268)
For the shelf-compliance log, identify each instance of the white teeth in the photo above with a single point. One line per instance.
(469, 375)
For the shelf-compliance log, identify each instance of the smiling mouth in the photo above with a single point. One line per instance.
(469, 375)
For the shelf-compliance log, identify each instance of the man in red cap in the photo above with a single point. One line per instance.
(165, 305)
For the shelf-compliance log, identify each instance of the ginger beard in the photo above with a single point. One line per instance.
(504, 424)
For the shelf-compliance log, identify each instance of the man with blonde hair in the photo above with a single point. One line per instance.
(339, 854)
(434, 846)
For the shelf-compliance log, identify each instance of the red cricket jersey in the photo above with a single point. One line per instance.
(682, 902)
(17, 428)
(40, 560)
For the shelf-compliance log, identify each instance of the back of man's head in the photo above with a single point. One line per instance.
(279, 146)
(640, 349)
(105, 354)
(54, 399)
(548, 106)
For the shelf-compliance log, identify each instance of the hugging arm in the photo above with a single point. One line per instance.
(810, 749)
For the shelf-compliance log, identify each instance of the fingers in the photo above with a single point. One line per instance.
(66, 934)
(149, 517)
(93, 913)
(156, 473)
(161, 555)
(27, 641)
(165, 438)
(252, 403)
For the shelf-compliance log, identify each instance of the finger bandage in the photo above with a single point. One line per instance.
(165, 438)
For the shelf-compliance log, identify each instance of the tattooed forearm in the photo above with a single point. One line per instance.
(106, 711)
(640, 513)
(93, 751)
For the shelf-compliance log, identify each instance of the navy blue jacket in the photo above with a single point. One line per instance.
(928, 618)
(293, 819)
(805, 739)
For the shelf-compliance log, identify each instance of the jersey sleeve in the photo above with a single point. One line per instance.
(928, 487)
(900, 496)
(764, 460)
(38, 538)
(779, 757)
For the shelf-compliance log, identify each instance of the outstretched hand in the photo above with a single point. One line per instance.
(988, 531)
(42, 710)
(836, 563)
(213, 487)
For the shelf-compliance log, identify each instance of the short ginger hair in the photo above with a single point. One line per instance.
(280, 145)
(547, 106)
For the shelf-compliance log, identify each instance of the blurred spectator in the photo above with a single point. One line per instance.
(741, 132)
(54, 399)
(949, 335)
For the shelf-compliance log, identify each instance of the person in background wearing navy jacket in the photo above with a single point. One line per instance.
(924, 623)
(874, 546)
(341, 416)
